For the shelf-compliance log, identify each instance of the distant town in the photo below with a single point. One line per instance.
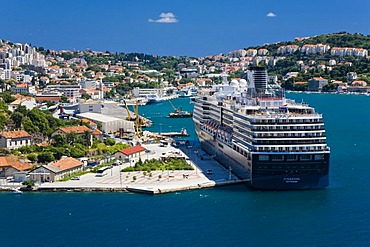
(61, 111)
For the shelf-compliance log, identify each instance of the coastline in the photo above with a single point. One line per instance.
(206, 174)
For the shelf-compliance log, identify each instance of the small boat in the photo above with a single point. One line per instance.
(16, 191)
(180, 114)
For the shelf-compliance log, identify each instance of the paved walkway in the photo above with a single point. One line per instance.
(160, 181)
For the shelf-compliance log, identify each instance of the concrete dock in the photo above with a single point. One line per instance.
(206, 173)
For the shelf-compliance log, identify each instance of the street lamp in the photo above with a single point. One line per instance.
(170, 129)
(160, 128)
(196, 162)
(120, 175)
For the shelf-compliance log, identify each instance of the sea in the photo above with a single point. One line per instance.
(223, 216)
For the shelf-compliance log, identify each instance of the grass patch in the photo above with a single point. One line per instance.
(158, 165)
(76, 174)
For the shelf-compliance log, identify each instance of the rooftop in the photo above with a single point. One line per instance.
(14, 134)
(63, 164)
(132, 150)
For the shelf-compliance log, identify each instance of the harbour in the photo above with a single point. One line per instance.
(337, 215)
(158, 182)
(161, 142)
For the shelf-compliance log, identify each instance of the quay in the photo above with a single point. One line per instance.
(207, 173)
(172, 134)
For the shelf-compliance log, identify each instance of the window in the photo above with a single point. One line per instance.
(277, 157)
(305, 157)
(263, 157)
(319, 156)
(291, 157)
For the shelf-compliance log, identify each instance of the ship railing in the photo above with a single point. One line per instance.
(287, 115)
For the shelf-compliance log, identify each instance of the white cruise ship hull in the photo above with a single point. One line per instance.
(268, 175)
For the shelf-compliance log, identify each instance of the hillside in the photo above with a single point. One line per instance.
(341, 39)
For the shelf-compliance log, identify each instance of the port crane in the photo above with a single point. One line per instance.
(129, 117)
(175, 109)
(139, 122)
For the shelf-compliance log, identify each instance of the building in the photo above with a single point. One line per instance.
(110, 125)
(349, 51)
(287, 49)
(24, 88)
(53, 97)
(80, 131)
(144, 92)
(351, 76)
(14, 139)
(359, 83)
(130, 153)
(10, 165)
(28, 103)
(56, 170)
(69, 91)
(88, 84)
(90, 106)
(316, 83)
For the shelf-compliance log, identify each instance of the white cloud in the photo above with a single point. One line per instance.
(165, 18)
(271, 14)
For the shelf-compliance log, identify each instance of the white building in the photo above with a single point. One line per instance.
(110, 125)
(14, 139)
(90, 106)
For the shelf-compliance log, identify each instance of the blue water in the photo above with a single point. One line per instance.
(223, 216)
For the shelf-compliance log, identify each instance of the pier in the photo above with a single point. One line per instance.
(183, 133)
(206, 174)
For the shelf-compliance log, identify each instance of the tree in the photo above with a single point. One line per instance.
(29, 126)
(3, 121)
(59, 139)
(71, 137)
(32, 157)
(64, 99)
(109, 141)
(85, 96)
(45, 157)
(7, 97)
(17, 118)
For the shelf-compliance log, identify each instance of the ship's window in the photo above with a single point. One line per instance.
(263, 157)
(291, 157)
(277, 157)
(305, 157)
(319, 156)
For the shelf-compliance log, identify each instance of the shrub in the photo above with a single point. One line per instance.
(28, 183)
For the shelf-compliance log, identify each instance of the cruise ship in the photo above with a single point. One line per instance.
(273, 142)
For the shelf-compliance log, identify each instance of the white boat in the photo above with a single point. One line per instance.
(140, 101)
(153, 98)
(16, 191)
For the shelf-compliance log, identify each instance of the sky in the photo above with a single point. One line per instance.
(190, 28)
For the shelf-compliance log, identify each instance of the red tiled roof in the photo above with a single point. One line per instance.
(132, 150)
(14, 134)
(66, 163)
(299, 83)
(97, 132)
(319, 79)
(75, 129)
(48, 98)
(15, 163)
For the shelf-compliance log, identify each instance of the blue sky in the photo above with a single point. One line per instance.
(175, 27)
